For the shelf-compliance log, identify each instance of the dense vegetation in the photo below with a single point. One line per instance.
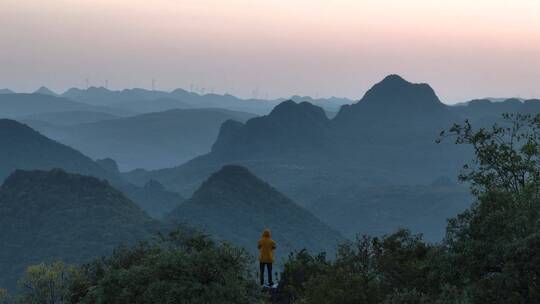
(176, 269)
(179, 268)
(47, 215)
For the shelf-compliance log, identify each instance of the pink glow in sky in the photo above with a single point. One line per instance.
(464, 48)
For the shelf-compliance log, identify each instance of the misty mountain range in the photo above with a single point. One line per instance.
(314, 170)
(144, 101)
(152, 140)
(385, 141)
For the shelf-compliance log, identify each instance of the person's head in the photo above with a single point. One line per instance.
(266, 233)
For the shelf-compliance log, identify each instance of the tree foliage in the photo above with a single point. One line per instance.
(4, 296)
(507, 155)
(173, 269)
(365, 271)
(48, 283)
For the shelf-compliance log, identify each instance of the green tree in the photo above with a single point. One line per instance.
(507, 155)
(492, 250)
(299, 268)
(4, 296)
(47, 283)
(178, 268)
(366, 270)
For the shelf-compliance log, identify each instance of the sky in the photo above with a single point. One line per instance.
(464, 49)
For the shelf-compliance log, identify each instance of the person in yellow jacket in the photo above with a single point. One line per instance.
(266, 255)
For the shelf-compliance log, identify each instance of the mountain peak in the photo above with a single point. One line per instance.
(45, 91)
(289, 127)
(291, 105)
(6, 91)
(21, 178)
(394, 79)
(73, 92)
(235, 205)
(393, 90)
(395, 101)
(236, 183)
(230, 175)
(229, 171)
(98, 90)
(292, 110)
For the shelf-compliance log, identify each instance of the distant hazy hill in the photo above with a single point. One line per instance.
(103, 96)
(16, 105)
(145, 101)
(6, 91)
(24, 148)
(290, 127)
(234, 205)
(153, 198)
(332, 104)
(67, 118)
(153, 140)
(382, 209)
(48, 215)
(154, 101)
(154, 105)
(394, 111)
(387, 139)
(45, 91)
(487, 111)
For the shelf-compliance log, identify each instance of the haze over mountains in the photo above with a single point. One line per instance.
(6, 91)
(145, 101)
(387, 139)
(45, 91)
(16, 105)
(25, 148)
(209, 161)
(68, 117)
(153, 140)
(487, 111)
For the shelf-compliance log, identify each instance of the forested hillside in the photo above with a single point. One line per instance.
(49, 215)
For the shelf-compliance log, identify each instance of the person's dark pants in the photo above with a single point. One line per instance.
(269, 269)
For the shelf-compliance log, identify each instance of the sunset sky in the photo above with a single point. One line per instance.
(465, 49)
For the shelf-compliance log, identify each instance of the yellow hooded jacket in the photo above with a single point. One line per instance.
(266, 248)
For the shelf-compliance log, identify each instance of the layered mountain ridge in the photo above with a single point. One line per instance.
(235, 205)
(25, 148)
(387, 138)
(152, 140)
